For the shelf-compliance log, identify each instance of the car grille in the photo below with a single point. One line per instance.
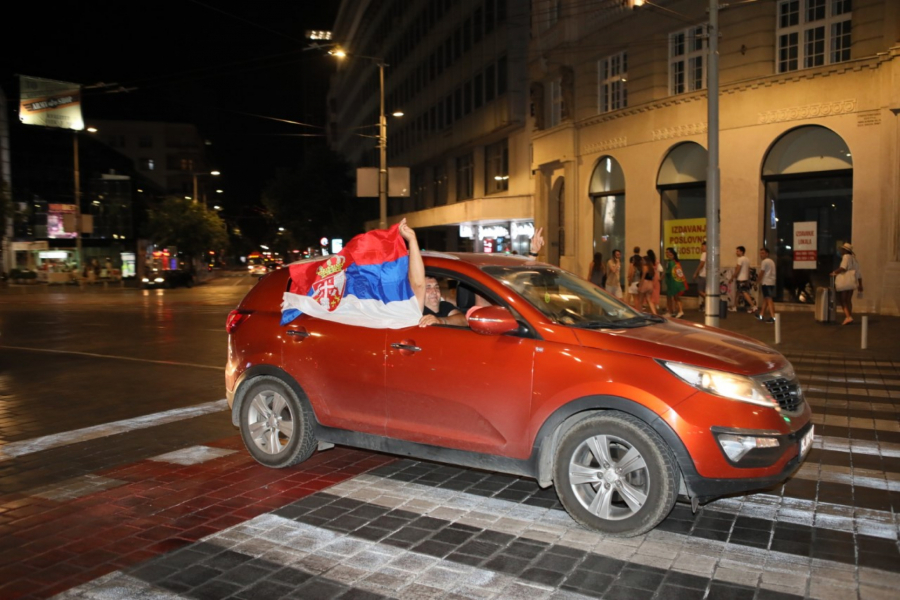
(786, 392)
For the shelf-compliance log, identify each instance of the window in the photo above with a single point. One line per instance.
(501, 76)
(613, 75)
(478, 25)
(465, 177)
(116, 141)
(146, 164)
(479, 90)
(812, 33)
(496, 167)
(467, 97)
(186, 164)
(145, 141)
(440, 185)
(490, 78)
(554, 11)
(556, 102)
(687, 64)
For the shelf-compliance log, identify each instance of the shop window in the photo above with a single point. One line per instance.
(812, 33)
(808, 176)
(613, 77)
(687, 61)
(496, 167)
(607, 191)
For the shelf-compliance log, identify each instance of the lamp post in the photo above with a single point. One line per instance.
(196, 175)
(382, 135)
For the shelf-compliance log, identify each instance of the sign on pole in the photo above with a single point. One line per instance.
(50, 103)
(805, 245)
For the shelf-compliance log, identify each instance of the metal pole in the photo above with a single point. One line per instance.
(382, 144)
(712, 176)
(864, 342)
(78, 253)
(195, 187)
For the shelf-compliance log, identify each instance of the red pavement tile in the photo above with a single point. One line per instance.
(163, 507)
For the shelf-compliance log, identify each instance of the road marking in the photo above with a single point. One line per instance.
(16, 449)
(91, 354)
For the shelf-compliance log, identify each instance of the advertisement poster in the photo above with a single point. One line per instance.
(805, 249)
(685, 235)
(50, 103)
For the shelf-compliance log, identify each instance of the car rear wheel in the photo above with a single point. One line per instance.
(615, 475)
(276, 425)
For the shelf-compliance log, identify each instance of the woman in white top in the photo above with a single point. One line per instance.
(845, 286)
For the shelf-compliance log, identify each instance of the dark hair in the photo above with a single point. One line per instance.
(652, 256)
(637, 249)
(742, 249)
(674, 253)
(614, 252)
(598, 261)
(764, 249)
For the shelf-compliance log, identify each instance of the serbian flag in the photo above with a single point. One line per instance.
(365, 284)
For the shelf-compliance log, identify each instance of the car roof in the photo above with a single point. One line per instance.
(479, 259)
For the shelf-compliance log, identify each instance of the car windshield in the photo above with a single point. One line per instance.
(569, 300)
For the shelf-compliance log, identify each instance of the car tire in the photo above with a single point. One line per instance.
(615, 475)
(276, 425)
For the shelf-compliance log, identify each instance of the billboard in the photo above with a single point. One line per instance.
(686, 236)
(50, 103)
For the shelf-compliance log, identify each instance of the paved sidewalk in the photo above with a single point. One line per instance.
(800, 334)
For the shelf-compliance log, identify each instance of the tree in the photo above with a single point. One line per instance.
(317, 200)
(187, 225)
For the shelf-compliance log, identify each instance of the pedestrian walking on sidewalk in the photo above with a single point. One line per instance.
(613, 274)
(767, 284)
(848, 277)
(597, 271)
(676, 284)
(635, 266)
(741, 273)
(700, 275)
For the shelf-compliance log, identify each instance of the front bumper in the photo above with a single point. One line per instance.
(706, 488)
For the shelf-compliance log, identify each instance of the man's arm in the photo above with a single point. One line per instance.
(416, 266)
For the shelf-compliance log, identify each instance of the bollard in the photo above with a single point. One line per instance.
(778, 328)
(865, 332)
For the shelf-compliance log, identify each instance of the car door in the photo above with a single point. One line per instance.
(341, 369)
(451, 387)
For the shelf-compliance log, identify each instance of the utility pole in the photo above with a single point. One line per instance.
(78, 255)
(712, 175)
(382, 145)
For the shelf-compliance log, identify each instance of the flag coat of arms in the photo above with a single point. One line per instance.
(366, 284)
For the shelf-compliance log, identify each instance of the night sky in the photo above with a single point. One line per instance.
(207, 63)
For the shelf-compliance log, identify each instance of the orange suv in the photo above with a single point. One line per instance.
(553, 379)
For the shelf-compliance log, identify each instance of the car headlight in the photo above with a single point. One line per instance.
(720, 383)
(159, 280)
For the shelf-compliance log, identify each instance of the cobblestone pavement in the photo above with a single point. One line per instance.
(208, 522)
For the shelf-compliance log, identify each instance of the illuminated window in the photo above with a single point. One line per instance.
(687, 61)
(613, 75)
(813, 33)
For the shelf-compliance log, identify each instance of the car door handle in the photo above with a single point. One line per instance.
(299, 333)
(406, 347)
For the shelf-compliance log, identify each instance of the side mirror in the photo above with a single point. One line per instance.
(492, 320)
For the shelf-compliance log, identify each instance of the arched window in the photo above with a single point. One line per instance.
(607, 191)
(682, 192)
(808, 177)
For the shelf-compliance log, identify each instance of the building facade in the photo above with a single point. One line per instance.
(809, 134)
(602, 118)
(457, 70)
(171, 155)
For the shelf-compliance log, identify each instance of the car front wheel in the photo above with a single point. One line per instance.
(276, 425)
(615, 475)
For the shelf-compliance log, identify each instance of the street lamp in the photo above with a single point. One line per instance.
(196, 175)
(382, 134)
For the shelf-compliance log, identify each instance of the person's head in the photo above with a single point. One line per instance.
(637, 249)
(651, 255)
(432, 293)
(672, 254)
(740, 250)
(703, 246)
(598, 259)
(847, 248)
(617, 254)
(764, 253)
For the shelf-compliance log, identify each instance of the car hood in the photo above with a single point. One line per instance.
(689, 343)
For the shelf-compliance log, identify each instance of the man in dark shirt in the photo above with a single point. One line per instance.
(427, 289)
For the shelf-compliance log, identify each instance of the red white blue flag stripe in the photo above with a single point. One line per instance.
(365, 284)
